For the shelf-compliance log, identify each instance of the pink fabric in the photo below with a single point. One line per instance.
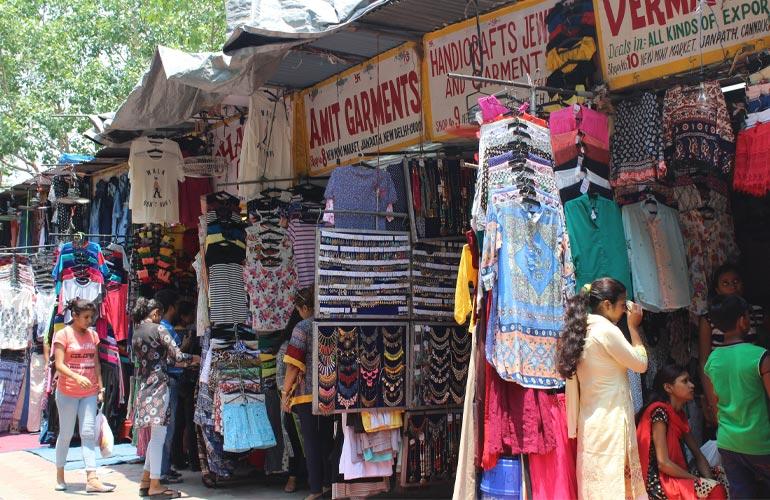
(491, 108)
(517, 420)
(142, 440)
(546, 484)
(586, 120)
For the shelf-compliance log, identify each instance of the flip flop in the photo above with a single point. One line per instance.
(167, 494)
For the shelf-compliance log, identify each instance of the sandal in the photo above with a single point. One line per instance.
(291, 485)
(144, 490)
(210, 480)
(167, 494)
(98, 487)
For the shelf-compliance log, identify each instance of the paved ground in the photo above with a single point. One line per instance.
(26, 476)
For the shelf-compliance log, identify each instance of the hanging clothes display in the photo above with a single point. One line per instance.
(361, 189)
(271, 277)
(597, 241)
(657, 256)
(155, 168)
(697, 131)
(17, 302)
(637, 142)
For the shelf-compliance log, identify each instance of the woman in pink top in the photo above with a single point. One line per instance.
(78, 389)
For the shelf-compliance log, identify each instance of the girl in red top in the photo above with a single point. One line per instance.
(661, 432)
(78, 390)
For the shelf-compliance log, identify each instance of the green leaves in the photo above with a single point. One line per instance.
(83, 57)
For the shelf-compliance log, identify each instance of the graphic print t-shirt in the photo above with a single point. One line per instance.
(154, 177)
(80, 357)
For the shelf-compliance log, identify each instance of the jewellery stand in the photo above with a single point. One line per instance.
(426, 452)
(419, 381)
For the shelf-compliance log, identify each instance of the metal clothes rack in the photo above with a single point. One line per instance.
(519, 85)
(267, 181)
(396, 215)
(24, 249)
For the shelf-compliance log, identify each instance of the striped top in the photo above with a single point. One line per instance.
(302, 237)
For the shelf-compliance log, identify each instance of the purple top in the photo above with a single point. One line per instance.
(360, 188)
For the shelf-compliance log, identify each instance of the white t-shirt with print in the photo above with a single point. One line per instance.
(154, 177)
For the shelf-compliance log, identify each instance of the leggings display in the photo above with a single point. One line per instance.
(84, 410)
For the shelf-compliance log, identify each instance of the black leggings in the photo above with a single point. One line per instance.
(318, 436)
(297, 467)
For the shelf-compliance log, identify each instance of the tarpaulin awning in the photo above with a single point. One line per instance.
(266, 22)
(178, 84)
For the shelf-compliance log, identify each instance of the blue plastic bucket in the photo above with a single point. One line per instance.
(503, 480)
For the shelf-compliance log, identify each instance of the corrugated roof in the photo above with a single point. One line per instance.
(428, 15)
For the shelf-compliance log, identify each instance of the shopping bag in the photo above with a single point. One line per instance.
(711, 452)
(104, 437)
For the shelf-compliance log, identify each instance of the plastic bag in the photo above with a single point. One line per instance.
(710, 451)
(104, 437)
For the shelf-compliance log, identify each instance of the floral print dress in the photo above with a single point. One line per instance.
(153, 346)
(271, 288)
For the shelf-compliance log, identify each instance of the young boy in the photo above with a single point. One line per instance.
(738, 386)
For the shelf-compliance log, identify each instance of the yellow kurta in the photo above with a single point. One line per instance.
(601, 414)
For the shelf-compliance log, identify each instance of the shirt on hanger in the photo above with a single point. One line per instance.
(154, 181)
(597, 241)
(657, 256)
(359, 188)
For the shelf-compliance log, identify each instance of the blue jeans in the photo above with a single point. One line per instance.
(748, 475)
(84, 409)
(173, 399)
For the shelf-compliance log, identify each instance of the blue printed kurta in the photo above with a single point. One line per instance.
(526, 262)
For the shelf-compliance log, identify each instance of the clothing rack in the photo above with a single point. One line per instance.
(14, 250)
(397, 215)
(519, 85)
(267, 181)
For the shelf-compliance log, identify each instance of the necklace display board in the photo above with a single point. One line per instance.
(362, 274)
(431, 447)
(440, 354)
(434, 279)
(359, 366)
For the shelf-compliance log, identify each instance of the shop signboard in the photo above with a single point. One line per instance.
(643, 40)
(513, 47)
(375, 106)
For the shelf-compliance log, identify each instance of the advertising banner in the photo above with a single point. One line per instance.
(642, 40)
(375, 106)
(513, 47)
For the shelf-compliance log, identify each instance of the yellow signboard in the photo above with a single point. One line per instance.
(642, 40)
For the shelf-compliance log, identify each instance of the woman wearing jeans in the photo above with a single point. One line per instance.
(78, 390)
(152, 346)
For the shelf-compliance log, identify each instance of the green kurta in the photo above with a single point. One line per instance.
(597, 241)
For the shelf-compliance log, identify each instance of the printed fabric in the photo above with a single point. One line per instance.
(80, 352)
(359, 188)
(17, 316)
(637, 144)
(298, 353)
(524, 262)
(155, 169)
(698, 135)
(153, 347)
(271, 289)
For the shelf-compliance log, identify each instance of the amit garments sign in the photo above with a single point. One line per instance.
(641, 40)
(374, 106)
(513, 46)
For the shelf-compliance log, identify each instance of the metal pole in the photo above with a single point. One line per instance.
(397, 215)
(520, 85)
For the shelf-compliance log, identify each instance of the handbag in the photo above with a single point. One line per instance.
(104, 436)
(245, 425)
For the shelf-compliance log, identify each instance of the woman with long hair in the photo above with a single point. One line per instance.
(152, 346)
(661, 431)
(594, 356)
(79, 389)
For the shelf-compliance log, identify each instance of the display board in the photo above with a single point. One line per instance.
(362, 274)
(375, 106)
(513, 41)
(359, 366)
(644, 41)
(441, 354)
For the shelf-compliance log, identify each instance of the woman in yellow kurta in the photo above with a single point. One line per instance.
(594, 357)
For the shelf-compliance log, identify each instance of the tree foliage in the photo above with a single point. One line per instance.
(83, 57)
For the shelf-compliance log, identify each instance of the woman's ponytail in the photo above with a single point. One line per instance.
(573, 338)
